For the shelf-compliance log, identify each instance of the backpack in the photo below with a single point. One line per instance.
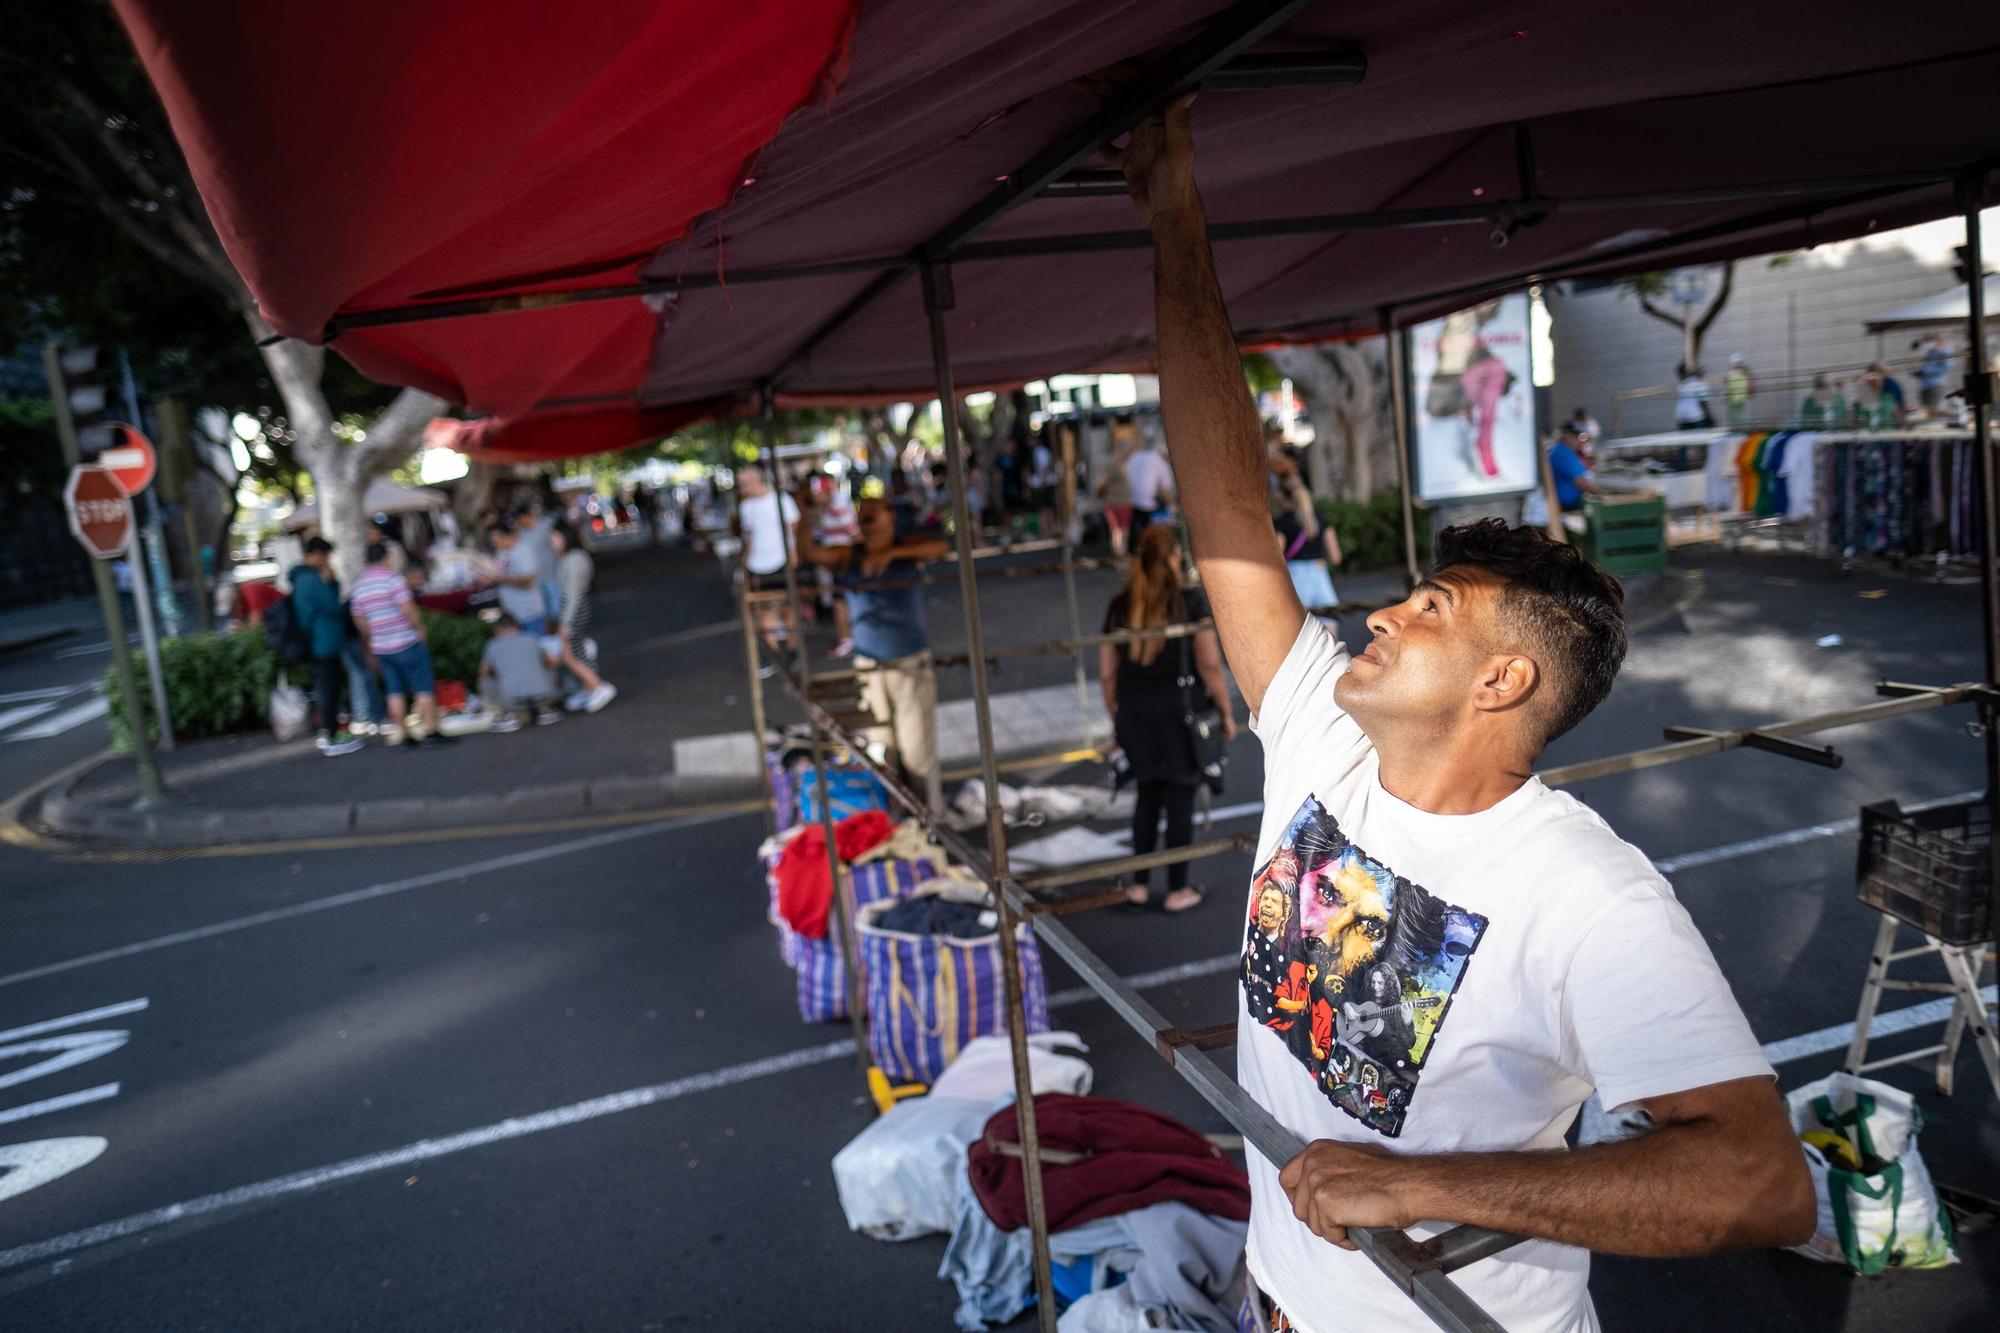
(285, 634)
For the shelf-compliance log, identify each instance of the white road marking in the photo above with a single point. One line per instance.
(103, 1092)
(23, 713)
(64, 721)
(86, 650)
(63, 1050)
(373, 891)
(118, 1010)
(23, 1166)
(1835, 1038)
(47, 692)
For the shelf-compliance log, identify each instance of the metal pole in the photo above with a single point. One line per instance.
(842, 891)
(1399, 406)
(149, 642)
(759, 729)
(152, 791)
(1979, 397)
(937, 299)
(1067, 517)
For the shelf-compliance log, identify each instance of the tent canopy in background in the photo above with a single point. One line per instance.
(1947, 312)
(413, 156)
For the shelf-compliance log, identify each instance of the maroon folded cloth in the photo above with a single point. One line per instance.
(1100, 1158)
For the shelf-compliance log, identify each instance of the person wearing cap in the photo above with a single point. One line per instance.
(1737, 386)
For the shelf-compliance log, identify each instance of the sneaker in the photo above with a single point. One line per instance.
(363, 728)
(338, 744)
(845, 648)
(768, 671)
(548, 717)
(595, 701)
(393, 735)
(504, 723)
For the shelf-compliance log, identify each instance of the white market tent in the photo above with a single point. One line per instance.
(383, 497)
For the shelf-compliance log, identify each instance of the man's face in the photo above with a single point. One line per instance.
(1429, 655)
(1271, 909)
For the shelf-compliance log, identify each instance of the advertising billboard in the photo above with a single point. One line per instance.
(1473, 403)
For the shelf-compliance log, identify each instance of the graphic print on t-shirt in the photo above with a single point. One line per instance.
(1352, 966)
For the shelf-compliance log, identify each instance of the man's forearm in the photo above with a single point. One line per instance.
(1205, 402)
(1681, 1190)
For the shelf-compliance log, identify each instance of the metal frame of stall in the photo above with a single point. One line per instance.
(1215, 59)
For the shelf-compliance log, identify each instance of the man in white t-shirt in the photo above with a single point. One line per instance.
(762, 515)
(1442, 958)
(1152, 481)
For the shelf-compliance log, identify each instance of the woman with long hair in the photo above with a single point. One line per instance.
(1150, 685)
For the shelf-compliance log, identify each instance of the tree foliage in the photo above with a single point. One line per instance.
(104, 239)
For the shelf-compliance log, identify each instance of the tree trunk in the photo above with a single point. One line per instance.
(1344, 386)
(472, 496)
(341, 469)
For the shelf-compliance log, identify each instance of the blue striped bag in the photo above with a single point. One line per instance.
(929, 995)
(822, 978)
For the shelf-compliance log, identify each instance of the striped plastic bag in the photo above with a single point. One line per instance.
(822, 979)
(929, 996)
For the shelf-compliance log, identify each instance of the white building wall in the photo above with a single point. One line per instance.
(1789, 321)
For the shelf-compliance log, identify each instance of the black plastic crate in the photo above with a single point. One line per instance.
(1931, 868)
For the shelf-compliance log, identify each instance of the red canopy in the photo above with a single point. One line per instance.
(365, 157)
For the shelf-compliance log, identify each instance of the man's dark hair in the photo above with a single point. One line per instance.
(377, 552)
(505, 621)
(1571, 613)
(498, 530)
(318, 546)
(567, 531)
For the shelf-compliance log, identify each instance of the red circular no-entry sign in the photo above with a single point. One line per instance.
(100, 512)
(130, 459)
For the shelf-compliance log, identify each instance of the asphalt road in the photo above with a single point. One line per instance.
(333, 1115)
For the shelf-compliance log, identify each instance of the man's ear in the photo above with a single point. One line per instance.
(1506, 682)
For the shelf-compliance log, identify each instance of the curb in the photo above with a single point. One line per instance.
(183, 824)
(187, 825)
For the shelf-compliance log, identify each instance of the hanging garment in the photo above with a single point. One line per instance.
(1800, 474)
(1128, 1156)
(1720, 471)
(1770, 468)
(1749, 488)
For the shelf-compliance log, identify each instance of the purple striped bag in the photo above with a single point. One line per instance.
(822, 979)
(929, 995)
(784, 799)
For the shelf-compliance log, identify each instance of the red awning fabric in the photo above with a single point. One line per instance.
(456, 149)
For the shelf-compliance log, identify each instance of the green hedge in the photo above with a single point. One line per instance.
(219, 684)
(1371, 531)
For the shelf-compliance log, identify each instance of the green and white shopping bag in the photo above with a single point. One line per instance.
(1877, 1207)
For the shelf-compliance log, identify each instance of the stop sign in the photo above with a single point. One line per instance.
(129, 460)
(100, 513)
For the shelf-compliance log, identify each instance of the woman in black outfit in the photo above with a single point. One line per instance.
(1145, 693)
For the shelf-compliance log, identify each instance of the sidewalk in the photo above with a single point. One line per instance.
(678, 733)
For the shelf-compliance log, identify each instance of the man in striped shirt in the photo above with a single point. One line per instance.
(392, 628)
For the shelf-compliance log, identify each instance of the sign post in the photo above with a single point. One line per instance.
(99, 509)
(100, 514)
(131, 462)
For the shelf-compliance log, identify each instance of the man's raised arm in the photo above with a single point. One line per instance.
(1212, 430)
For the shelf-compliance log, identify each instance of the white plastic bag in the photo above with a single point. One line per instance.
(1886, 1215)
(289, 711)
(896, 1177)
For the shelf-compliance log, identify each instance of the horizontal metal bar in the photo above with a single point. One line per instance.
(1214, 1038)
(1823, 755)
(1089, 902)
(1907, 1059)
(1673, 753)
(1118, 865)
(892, 268)
(1339, 65)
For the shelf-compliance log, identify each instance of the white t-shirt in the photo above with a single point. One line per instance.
(1147, 472)
(1690, 402)
(763, 532)
(1450, 983)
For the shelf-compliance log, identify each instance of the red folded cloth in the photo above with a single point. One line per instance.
(1129, 1157)
(805, 890)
